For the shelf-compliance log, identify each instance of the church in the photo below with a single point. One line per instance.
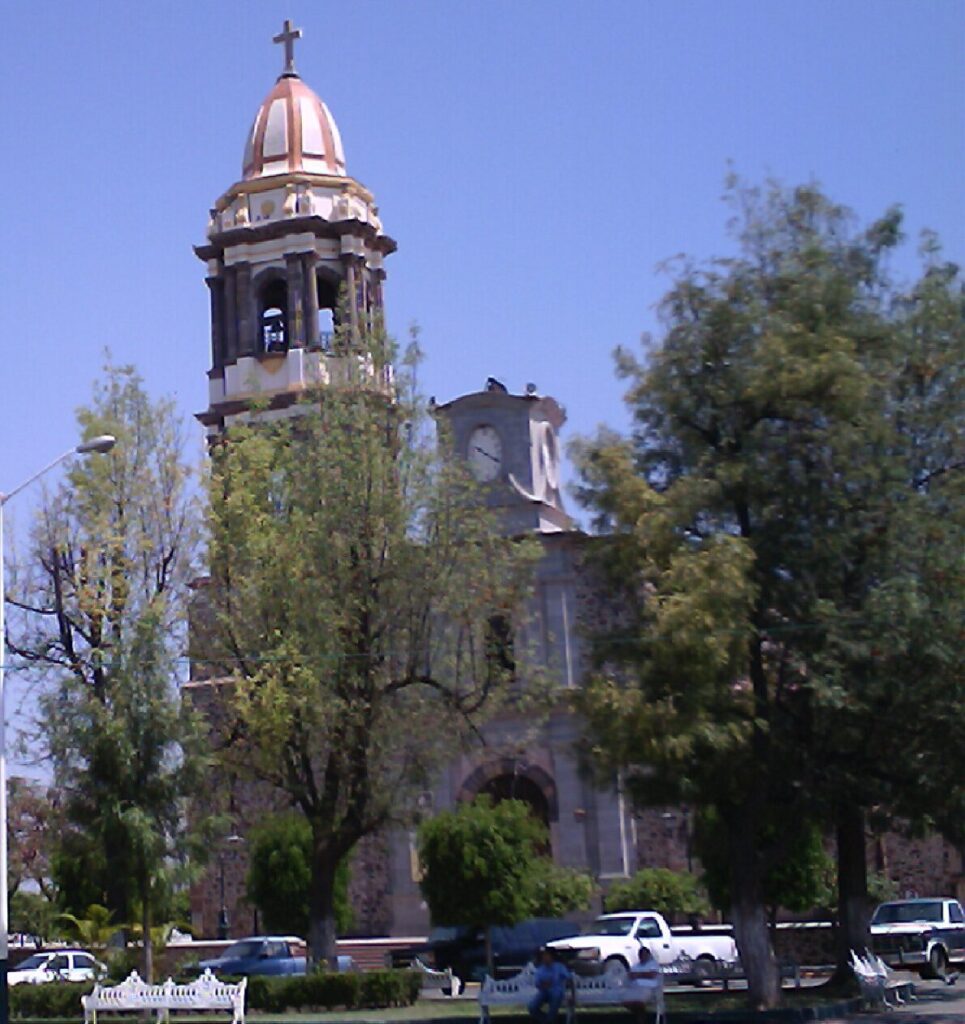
(295, 249)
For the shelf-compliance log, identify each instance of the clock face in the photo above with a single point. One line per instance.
(549, 456)
(485, 454)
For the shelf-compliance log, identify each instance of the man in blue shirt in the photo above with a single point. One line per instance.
(551, 981)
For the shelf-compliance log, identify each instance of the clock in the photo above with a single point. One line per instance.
(485, 454)
(549, 456)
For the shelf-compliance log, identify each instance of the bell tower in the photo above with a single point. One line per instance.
(294, 256)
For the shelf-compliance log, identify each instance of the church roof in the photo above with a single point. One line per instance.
(293, 131)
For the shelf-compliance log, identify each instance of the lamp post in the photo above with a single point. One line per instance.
(224, 924)
(98, 445)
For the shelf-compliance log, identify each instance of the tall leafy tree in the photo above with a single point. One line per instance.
(762, 542)
(101, 601)
(354, 575)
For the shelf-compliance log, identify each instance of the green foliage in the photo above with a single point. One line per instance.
(881, 888)
(56, 999)
(804, 880)
(481, 863)
(785, 546)
(92, 931)
(280, 875)
(353, 574)
(102, 606)
(674, 894)
(559, 891)
(31, 913)
(325, 990)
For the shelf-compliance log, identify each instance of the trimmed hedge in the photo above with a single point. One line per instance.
(326, 990)
(322, 990)
(55, 999)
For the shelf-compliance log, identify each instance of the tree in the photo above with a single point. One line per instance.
(671, 893)
(481, 865)
(354, 572)
(31, 826)
(803, 880)
(767, 537)
(280, 876)
(101, 604)
(559, 891)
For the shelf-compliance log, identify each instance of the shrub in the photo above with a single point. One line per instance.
(671, 893)
(326, 990)
(54, 999)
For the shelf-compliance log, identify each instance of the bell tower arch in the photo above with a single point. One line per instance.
(295, 255)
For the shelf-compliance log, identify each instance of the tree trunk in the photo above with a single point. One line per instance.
(852, 886)
(750, 920)
(147, 944)
(490, 961)
(321, 908)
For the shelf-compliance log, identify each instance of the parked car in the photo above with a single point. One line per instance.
(463, 949)
(614, 941)
(263, 954)
(56, 965)
(926, 934)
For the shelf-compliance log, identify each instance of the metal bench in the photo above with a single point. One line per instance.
(685, 970)
(442, 981)
(879, 988)
(134, 995)
(598, 990)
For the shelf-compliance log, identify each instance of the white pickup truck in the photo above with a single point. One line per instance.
(925, 934)
(615, 939)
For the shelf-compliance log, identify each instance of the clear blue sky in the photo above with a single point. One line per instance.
(535, 161)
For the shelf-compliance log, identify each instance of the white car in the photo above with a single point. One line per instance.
(615, 939)
(56, 965)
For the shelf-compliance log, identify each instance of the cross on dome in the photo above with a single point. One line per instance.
(287, 36)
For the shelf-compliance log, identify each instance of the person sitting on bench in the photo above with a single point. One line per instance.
(644, 982)
(552, 977)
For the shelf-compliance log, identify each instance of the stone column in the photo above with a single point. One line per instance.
(351, 287)
(248, 341)
(296, 307)
(309, 265)
(230, 315)
(216, 288)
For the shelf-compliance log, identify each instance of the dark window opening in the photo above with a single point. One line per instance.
(274, 317)
(500, 657)
(328, 296)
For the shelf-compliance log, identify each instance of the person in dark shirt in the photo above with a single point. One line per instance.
(552, 978)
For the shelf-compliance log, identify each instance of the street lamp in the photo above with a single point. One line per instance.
(96, 446)
(224, 925)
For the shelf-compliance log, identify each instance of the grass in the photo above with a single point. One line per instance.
(679, 1004)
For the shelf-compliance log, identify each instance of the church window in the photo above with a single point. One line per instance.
(500, 658)
(516, 786)
(328, 303)
(274, 317)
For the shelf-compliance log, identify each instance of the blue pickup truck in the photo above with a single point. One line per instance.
(927, 935)
(263, 954)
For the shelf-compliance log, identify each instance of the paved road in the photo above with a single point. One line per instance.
(937, 1003)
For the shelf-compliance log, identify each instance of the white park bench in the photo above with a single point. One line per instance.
(880, 990)
(598, 990)
(135, 995)
(433, 980)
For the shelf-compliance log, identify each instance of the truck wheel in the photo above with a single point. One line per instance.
(937, 963)
(616, 967)
(704, 967)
